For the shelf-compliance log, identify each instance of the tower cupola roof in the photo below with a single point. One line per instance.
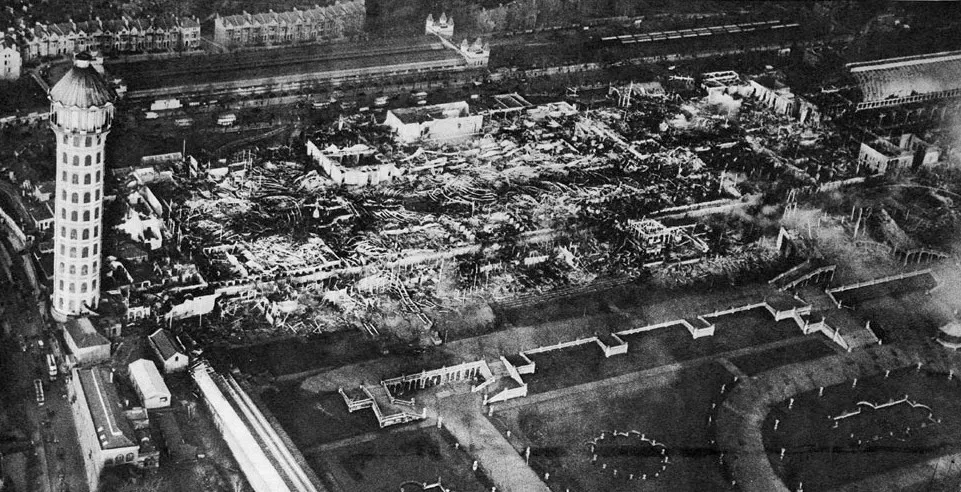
(82, 86)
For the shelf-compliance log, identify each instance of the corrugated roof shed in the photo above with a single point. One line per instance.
(145, 376)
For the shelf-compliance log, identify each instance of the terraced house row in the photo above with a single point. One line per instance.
(124, 35)
(340, 20)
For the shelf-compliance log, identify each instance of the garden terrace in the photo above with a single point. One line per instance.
(670, 410)
(856, 430)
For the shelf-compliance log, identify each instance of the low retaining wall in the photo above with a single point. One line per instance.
(881, 280)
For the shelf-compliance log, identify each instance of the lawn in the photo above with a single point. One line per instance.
(673, 412)
(870, 441)
(384, 464)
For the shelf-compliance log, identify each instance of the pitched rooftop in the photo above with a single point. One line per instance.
(166, 344)
(113, 429)
(82, 332)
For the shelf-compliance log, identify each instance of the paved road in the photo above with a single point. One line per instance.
(51, 425)
(463, 416)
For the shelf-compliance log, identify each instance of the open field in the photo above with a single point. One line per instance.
(674, 413)
(671, 344)
(421, 455)
(867, 443)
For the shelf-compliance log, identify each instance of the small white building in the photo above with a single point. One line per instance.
(85, 343)
(476, 54)
(439, 122)
(443, 26)
(10, 60)
(149, 384)
(169, 351)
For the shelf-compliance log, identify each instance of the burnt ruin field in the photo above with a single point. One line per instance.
(655, 434)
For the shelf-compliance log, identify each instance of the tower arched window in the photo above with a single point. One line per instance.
(98, 172)
(63, 177)
(98, 157)
(86, 197)
(96, 231)
(87, 142)
(64, 158)
(74, 198)
(63, 195)
(73, 269)
(76, 141)
(86, 179)
(63, 213)
(73, 216)
(96, 194)
(87, 160)
(96, 248)
(83, 287)
(73, 287)
(93, 284)
(75, 179)
(84, 270)
(73, 234)
(62, 267)
(63, 232)
(86, 215)
(96, 213)
(95, 269)
(76, 160)
(73, 252)
(61, 285)
(85, 252)
(86, 234)
(63, 250)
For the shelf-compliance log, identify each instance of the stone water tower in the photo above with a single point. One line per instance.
(81, 112)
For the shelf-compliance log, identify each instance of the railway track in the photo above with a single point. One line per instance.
(228, 63)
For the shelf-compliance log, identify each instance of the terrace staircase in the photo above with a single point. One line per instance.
(387, 409)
